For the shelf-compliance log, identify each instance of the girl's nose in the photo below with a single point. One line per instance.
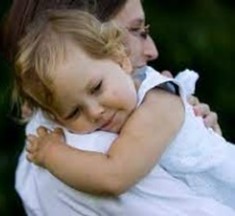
(95, 111)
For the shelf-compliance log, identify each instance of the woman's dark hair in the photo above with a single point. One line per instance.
(22, 12)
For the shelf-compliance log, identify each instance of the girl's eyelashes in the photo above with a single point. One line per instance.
(96, 88)
(73, 114)
(76, 112)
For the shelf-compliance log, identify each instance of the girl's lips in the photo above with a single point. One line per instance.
(108, 124)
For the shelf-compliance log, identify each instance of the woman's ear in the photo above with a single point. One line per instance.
(125, 64)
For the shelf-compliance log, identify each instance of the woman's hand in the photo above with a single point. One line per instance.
(210, 118)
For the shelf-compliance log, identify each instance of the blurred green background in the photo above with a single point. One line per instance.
(195, 34)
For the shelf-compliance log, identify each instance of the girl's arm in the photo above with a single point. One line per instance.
(141, 142)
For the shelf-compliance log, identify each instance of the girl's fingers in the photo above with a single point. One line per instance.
(29, 157)
(31, 138)
(31, 143)
(42, 131)
(31, 147)
(60, 132)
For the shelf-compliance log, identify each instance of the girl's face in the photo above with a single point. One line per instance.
(92, 94)
(140, 45)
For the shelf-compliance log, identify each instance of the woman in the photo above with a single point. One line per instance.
(129, 15)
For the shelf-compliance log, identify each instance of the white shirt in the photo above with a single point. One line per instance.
(197, 155)
(44, 195)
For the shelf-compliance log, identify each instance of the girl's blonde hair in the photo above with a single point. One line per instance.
(44, 46)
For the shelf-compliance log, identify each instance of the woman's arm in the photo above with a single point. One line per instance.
(142, 140)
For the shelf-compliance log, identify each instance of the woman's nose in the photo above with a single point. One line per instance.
(150, 49)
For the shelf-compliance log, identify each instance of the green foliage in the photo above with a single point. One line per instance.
(11, 136)
(199, 34)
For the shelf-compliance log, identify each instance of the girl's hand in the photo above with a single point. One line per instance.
(40, 147)
(201, 109)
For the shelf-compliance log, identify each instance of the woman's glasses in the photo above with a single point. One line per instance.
(141, 32)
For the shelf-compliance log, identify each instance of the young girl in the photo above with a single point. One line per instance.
(66, 45)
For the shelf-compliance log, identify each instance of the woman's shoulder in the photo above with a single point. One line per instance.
(38, 119)
(152, 79)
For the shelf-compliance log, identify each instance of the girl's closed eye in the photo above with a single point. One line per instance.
(97, 88)
(74, 114)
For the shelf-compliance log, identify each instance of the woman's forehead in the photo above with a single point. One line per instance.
(131, 14)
